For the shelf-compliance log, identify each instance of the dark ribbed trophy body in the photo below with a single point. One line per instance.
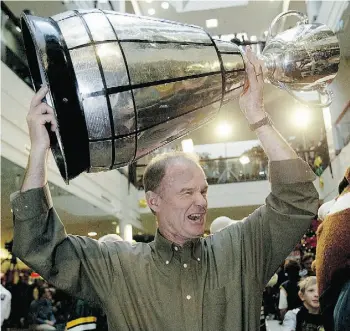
(123, 85)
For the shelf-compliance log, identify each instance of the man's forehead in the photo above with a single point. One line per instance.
(183, 172)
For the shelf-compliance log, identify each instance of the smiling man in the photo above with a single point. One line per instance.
(180, 281)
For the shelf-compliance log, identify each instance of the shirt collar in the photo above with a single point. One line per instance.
(166, 248)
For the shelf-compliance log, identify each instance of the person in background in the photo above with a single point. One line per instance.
(289, 298)
(219, 223)
(5, 303)
(41, 313)
(306, 263)
(306, 317)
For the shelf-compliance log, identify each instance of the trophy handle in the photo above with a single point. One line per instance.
(303, 19)
(322, 92)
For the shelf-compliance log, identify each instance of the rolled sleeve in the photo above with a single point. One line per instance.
(290, 172)
(31, 203)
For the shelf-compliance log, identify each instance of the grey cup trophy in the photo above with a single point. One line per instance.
(122, 85)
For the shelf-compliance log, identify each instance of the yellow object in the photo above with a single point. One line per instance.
(142, 203)
(321, 182)
(81, 320)
(318, 161)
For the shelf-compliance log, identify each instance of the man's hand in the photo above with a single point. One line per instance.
(39, 114)
(251, 100)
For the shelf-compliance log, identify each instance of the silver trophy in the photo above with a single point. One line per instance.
(123, 85)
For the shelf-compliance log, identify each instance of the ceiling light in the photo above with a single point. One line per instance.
(244, 159)
(301, 117)
(92, 234)
(165, 5)
(212, 23)
(151, 11)
(224, 129)
(187, 145)
(149, 1)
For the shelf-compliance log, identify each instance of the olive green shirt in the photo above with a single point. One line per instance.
(213, 283)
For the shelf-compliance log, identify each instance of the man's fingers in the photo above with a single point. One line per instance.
(39, 96)
(49, 118)
(250, 68)
(260, 76)
(42, 108)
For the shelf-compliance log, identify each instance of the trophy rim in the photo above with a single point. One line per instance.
(69, 156)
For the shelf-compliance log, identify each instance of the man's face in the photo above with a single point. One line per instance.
(47, 294)
(182, 202)
(310, 297)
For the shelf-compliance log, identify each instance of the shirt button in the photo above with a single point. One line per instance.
(166, 262)
(176, 248)
(188, 297)
(185, 265)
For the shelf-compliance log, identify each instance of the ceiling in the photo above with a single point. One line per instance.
(251, 17)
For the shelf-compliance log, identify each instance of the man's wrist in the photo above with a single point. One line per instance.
(256, 117)
(263, 121)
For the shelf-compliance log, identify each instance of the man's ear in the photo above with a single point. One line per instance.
(153, 200)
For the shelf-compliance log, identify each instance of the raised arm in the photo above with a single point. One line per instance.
(82, 266)
(252, 105)
(269, 234)
(277, 226)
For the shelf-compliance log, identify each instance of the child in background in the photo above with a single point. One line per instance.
(307, 317)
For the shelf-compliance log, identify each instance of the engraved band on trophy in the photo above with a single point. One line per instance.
(122, 85)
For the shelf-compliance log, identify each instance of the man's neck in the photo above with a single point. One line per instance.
(174, 238)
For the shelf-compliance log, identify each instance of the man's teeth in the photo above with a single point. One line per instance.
(195, 217)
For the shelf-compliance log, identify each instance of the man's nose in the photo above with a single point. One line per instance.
(201, 200)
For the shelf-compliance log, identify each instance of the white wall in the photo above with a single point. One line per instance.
(107, 191)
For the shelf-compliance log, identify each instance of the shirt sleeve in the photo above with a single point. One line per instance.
(79, 265)
(290, 321)
(283, 303)
(271, 232)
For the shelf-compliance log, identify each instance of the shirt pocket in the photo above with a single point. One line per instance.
(215, 297)
(214, 309)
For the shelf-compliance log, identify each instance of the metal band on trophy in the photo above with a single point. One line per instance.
(123, 85)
